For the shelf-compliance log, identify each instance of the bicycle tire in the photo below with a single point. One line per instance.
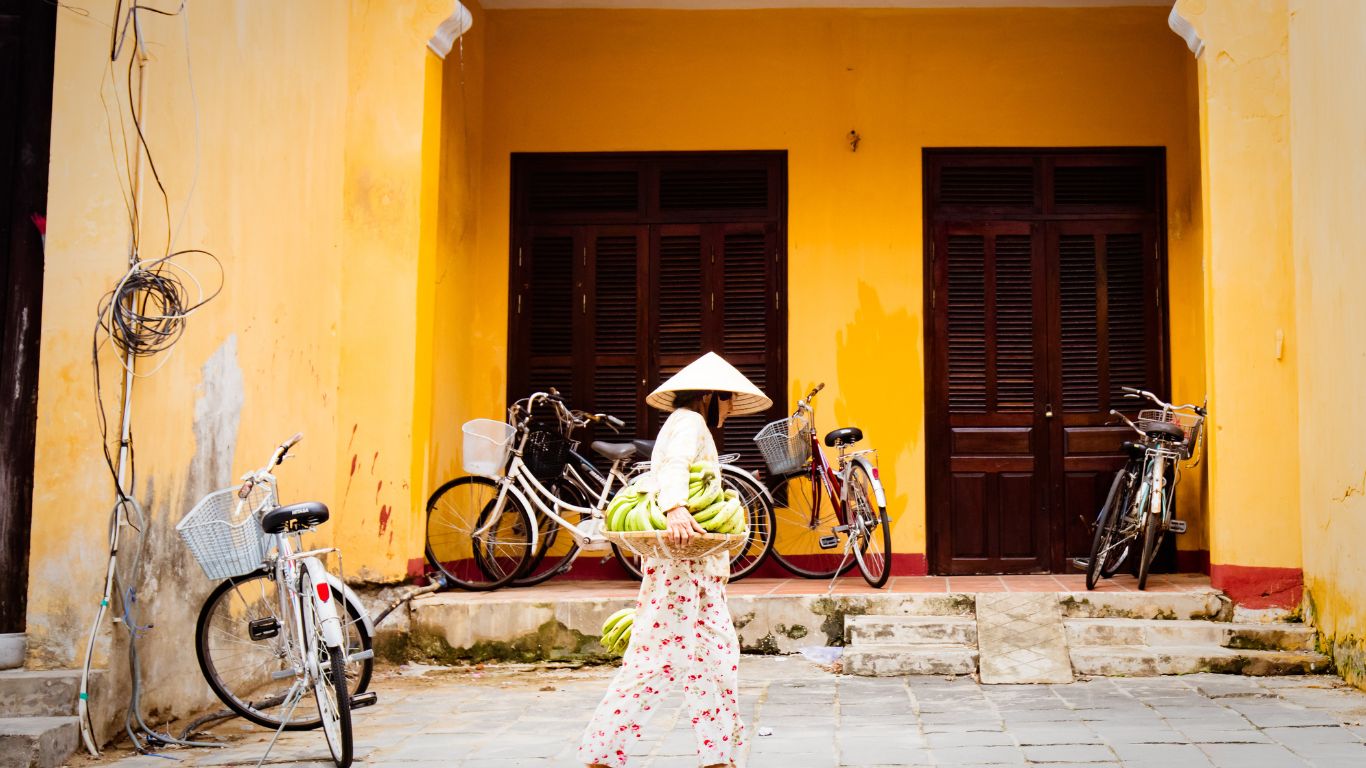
(491, 562)
(329, 686)
(358, 638)
(1106, 528)
(760, 513)
(1152, 539)
(795, 536)
(872, 528)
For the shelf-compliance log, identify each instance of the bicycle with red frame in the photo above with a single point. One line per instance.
(827, 518)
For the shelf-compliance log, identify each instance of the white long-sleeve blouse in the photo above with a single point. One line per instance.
(682, 441)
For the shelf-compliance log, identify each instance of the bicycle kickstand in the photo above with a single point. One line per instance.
(848, 553)
(295, 695)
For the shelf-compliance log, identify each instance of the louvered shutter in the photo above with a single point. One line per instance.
(1109, 331)
(617, 311)
(545, 306)
(748, 314)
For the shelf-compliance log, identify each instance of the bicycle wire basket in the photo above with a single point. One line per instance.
(224, 534)
(785, 444)
(1189, 423)
(545, 455)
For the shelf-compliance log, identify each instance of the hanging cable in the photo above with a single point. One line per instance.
(143, 316)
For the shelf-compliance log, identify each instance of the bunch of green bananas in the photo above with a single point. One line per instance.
(616, 631)
(716, 509)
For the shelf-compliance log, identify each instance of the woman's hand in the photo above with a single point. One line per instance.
(682, 528)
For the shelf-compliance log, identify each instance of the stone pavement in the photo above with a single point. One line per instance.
(518, 716)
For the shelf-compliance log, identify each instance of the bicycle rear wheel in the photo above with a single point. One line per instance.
(238, 667)
(800, 525)
(871, 529)
(461, 542)
(329, 685)
(556, 547)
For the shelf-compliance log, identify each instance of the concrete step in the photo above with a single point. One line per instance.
(1158, 633)
(910, 630)
(1149, 661)
(37, 742)
(45, 693)
(1209, 605)
(921, 659)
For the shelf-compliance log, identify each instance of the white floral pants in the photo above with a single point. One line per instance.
(682, 636)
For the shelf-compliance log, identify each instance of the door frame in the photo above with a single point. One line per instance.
(937, 427)
(37, 29)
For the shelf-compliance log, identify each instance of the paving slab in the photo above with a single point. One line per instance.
(1021, 639)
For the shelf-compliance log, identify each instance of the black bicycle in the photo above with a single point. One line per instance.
(1140, 507)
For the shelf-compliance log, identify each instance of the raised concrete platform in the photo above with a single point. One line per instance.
(560, 619)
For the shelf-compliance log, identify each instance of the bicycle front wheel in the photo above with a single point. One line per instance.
(473, 550)
(871, 528)
(329, 682)
(804, 519)
(241, 640)
(1109, 546)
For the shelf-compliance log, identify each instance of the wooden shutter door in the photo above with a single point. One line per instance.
(679, 287)
(988, 307)
(1109, 336)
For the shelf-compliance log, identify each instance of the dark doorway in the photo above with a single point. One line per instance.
(27, 34)
(626, 267)
(1044, 293)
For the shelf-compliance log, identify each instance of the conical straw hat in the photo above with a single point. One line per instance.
(711, 373)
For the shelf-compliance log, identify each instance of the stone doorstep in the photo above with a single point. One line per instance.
(44, 693)
(1147, 661)
(37, 742)
(1162, 633)
(919, 659)
(910, 630)
(1206, 605)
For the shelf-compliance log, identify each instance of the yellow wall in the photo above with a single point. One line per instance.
(800, 80)
(310, 164)
(1251, 339)
(1328, 108)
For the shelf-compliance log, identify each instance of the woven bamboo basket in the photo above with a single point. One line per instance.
(656, 544)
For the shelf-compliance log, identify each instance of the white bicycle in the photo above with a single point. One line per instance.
(276, 618)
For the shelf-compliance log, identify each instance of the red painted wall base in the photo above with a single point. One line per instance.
(1258, 587)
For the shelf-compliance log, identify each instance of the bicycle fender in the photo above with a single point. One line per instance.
(732, 469)
(350, 596)
(332, 629)
(877, 482)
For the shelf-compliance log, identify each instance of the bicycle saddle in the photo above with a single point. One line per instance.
(1164, 430)
(294, 516)
(644, 447)
(614, 451)
(846, 435)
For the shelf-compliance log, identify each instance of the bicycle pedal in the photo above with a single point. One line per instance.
(263, 629)
(285, 674)
(1080, 563)
(828, 542)
(362, 656)
(1176, 526)
(367, 699)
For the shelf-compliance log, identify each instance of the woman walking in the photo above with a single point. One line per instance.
(682, 636)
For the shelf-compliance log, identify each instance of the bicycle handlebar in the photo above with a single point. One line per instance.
(1143, 393)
